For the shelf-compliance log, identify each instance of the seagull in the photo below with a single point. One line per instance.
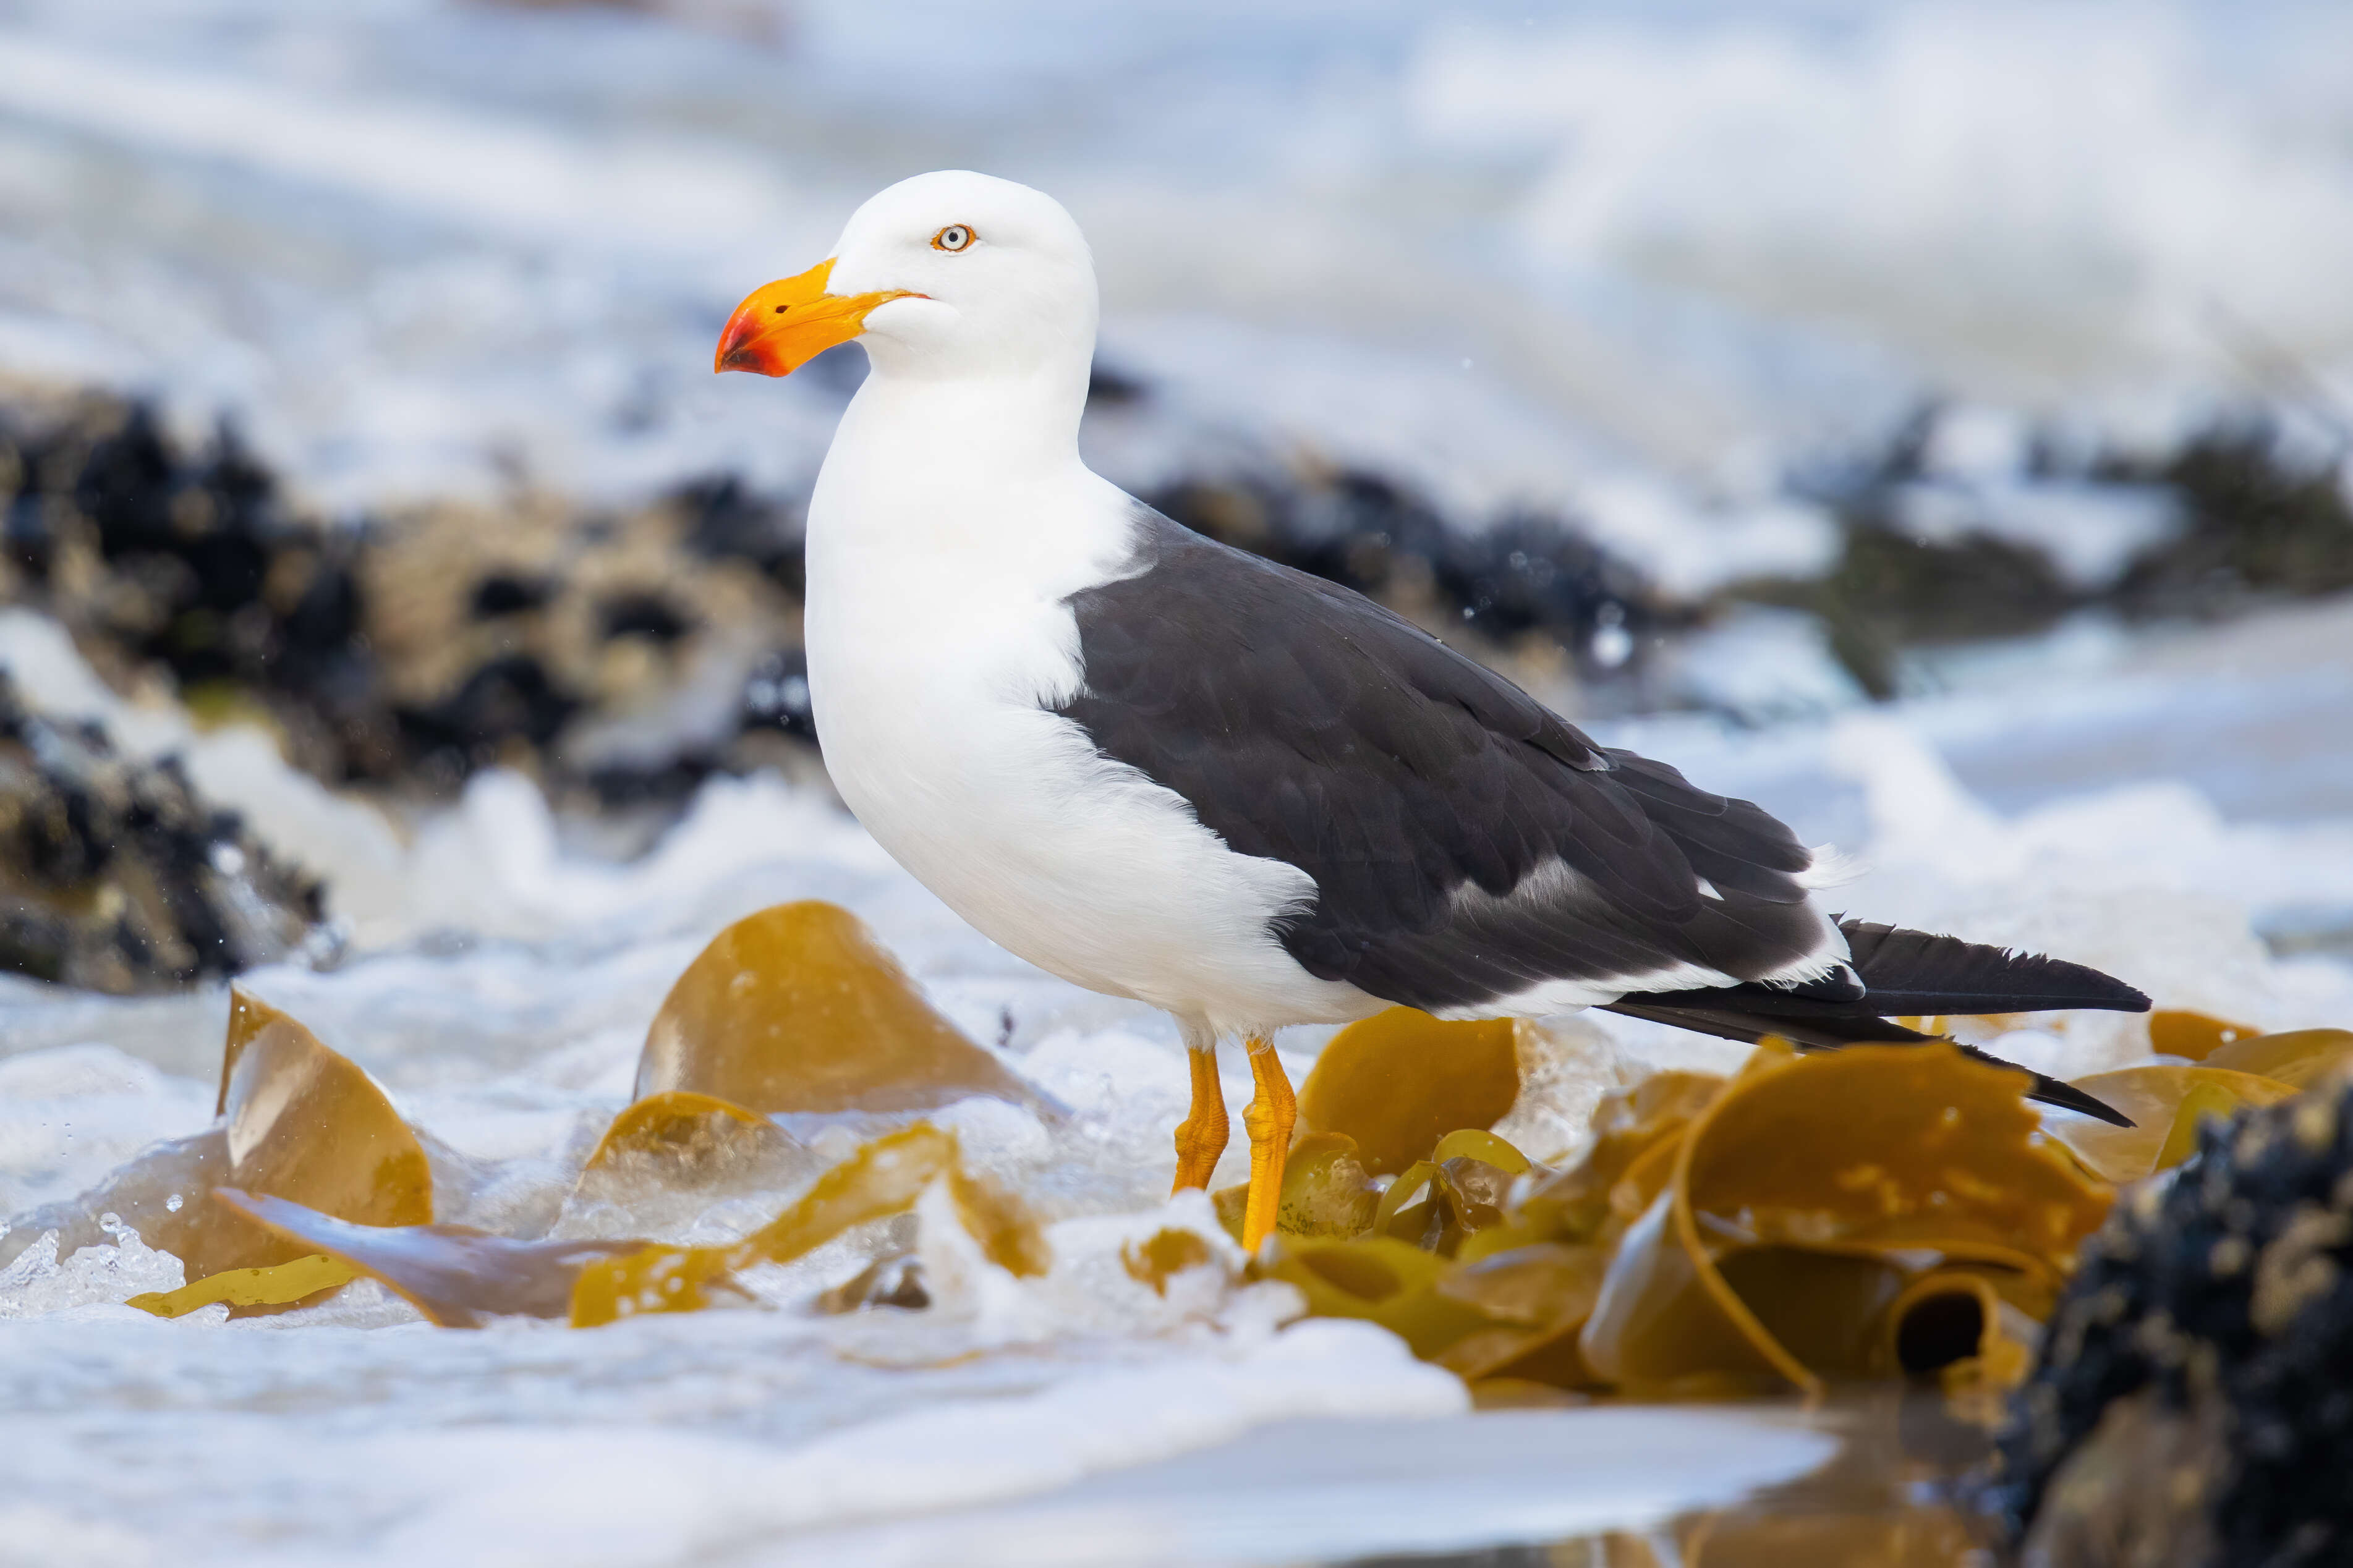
(1165, 768)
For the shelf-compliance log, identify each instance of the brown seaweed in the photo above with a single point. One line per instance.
(281, 1285)
(2194, 1036)
(301, 1123)
(2166, 1102)
(2299, 1056)
(798, 1008)
(457, 1275)
(1398, 1082)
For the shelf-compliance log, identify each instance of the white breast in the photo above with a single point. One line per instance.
(939, 640)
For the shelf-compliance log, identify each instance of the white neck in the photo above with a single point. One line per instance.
(970, 476)
(1007, 425)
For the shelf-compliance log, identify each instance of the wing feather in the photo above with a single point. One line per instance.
(1467, 844)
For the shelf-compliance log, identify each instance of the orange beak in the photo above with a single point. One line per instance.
(782, 327)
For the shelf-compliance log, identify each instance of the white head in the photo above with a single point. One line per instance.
(948, 274)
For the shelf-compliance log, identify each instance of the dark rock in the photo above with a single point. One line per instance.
(115, 875)
(504, 700)
(724, 521)
(610, 650)
(644, 614)
(1112, 387)
(632, 653)
(187, 563)
(504, 594)
(2193, 1385)
(2262, 524)
(1890, 591)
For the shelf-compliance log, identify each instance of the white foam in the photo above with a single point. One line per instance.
(96, 1280)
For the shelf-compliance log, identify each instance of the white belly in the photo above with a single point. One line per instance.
(930, 712)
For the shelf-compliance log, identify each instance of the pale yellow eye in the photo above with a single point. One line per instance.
(955, 237)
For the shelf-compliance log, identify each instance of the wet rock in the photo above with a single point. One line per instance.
(625, 655)
(2262, 524)
(2250, 518)
(190, 563)
(2191, 1405)
(117, 876)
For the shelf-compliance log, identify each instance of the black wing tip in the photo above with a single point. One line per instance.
(2057, 1091)
(1918, 971)
(1832, 1034)
(2067, 1097)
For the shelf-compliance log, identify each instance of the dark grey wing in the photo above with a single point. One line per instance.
(1467, 844)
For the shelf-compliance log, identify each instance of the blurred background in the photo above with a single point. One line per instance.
(1931, 421)
(1729, 373)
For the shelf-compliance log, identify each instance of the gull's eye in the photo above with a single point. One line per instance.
(955, 237)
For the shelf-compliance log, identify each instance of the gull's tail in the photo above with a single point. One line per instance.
(1906, 971)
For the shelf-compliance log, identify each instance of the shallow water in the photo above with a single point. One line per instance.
(424, 248)
(1078, 1406)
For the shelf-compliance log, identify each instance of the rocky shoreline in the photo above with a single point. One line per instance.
(621, 656)
(2190, 1406)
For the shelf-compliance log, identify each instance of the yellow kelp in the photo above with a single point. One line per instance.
(798, 1008)
(1867, 1213)
(280, 1286)
(458, 1277)
(1398, 1082)
(305, 1124)
(671, 1156)
(2177, 1031)
(2166, 1102)
(2298, 1057)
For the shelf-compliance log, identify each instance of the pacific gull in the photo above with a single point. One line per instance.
(1166, 769)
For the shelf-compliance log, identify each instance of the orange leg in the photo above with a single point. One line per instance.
(1201, 1136)
(1269, 1120)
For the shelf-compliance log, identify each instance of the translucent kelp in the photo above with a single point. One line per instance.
(793, 1009)
(673, 1158)
(304, 1124)
(458, 1277)
(2166, 1102)
(798, 1008)
(1398, 1082)
(1803, 1197)
(1326, 1191)
(2299, 1056)
(1876, 1212)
